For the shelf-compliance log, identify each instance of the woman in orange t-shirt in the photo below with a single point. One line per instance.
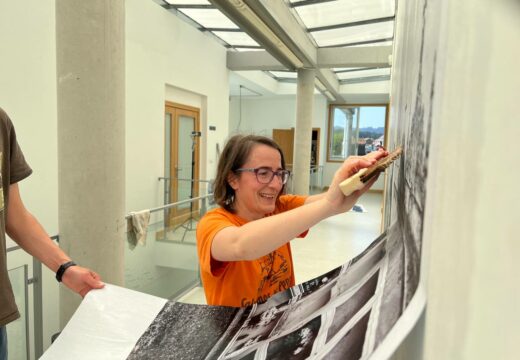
(243, 246)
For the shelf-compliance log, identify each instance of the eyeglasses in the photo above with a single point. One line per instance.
(265, 175)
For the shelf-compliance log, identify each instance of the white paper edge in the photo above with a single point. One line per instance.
(107, 324)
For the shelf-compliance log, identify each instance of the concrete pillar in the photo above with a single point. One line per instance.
(303, 131)
(90, 53)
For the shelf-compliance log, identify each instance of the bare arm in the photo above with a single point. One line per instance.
(23, 228)
(316, 197)
(260, 237)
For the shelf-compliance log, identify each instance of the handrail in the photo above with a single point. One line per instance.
(167, 206)
(17, 247)
(13, 248)
(36, 282)
(191, 180)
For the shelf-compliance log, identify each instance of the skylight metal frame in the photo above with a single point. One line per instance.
(177, 10)
(307, 2)
(360, 43)
(310, 31)
(351, 24)
(365, 79)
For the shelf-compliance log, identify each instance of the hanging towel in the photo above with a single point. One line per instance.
(136, 225)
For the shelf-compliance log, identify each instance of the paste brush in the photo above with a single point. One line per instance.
(359, 179)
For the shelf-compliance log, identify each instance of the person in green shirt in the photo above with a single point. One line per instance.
(21, 226)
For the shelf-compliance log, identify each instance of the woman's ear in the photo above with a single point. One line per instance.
(232, 180)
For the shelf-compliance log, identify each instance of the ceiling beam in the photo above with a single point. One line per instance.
(367, 56)
(241, 14)
(279, 17)
(283, 28)
(330, 80)
(252, 60)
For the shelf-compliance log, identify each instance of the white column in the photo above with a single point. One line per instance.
(303, 131)
(90, 38)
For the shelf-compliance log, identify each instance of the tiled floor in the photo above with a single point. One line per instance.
(329, 244)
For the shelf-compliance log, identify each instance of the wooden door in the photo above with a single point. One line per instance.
(285, 139)
(184, 149)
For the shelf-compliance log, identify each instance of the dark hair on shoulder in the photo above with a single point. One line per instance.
(234, 156)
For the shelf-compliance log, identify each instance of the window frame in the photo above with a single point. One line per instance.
(331, 119)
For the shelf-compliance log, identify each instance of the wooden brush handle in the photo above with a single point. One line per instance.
(359, 179)
(353, 183)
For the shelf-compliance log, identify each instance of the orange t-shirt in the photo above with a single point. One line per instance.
(243, 283)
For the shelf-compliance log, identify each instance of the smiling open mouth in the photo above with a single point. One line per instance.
(267, 196)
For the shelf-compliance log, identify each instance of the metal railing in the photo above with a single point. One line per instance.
(315, 178)
(166, 186)
(37, 311)
(169, 249)
(187, 201)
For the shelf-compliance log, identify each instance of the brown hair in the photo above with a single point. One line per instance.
(234, 156)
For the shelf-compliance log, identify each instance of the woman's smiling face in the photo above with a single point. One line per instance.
(254, 200)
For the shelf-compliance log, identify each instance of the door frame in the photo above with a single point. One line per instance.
(175, 109)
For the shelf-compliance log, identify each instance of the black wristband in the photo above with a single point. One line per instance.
(62, 268)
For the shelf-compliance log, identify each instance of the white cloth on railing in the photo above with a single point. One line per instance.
(136, 225)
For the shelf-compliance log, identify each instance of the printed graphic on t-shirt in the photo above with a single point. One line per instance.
(275, 271)
(275, 277)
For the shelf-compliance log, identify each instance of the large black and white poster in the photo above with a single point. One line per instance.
(323, 317)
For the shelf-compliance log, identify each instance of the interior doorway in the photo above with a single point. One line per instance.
(285, 139)
(182, 123)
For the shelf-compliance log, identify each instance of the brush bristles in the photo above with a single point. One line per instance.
(380, 165)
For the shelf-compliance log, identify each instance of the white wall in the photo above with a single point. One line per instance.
(28, 95)
(473, 200)
(260, 115)
(163, 50)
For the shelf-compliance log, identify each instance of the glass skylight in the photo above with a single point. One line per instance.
(209, 18)
(334, 23)
(236, 38)
(284, 74)
(354, 34)
(356, 74)
(343, 11)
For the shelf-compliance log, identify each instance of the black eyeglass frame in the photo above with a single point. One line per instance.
(279, 173)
